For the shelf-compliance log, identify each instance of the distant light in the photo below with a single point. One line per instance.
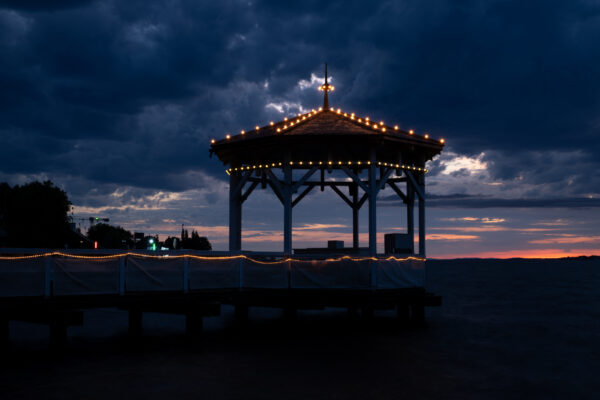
(95, 245)
(212, 141)
(442, 140)
(396, 127)
(256, 127)
(243, 132)
(426, 136)
(411, 132)
(228, 137)
(271, 123)
(150, 240)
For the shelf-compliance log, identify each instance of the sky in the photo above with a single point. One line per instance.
(116, 102)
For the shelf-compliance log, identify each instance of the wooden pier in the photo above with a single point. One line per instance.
(55, 289)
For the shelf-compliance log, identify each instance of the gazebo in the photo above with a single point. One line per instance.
(296, 155)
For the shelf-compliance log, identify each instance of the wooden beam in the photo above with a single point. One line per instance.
(398, 192)
(416, 186)
(304, 178)
(343, 196)
(383, 180)
(275, 190)
(249, 190)
(242, 182)
(362, 201)
(301, 195)
(356, 179)
(275, 184)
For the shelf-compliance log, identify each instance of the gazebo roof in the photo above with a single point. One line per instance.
(325, 135)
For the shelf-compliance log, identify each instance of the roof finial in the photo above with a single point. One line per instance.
(326, 88)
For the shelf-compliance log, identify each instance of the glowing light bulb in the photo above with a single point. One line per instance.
(383, 129)
(426, 136)
(212, 141)
(395, 127)
(366, 118)
(228, 137)
(442, 140)
(380, 122)
(278, 129)
(374, 126)
(271, 123)
(285, 118)
(329, 163)
(411, 132)
(359, 120)
(320, 108)
(243, 132)
(256, 127)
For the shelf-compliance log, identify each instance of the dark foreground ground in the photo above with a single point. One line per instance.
(508, 329)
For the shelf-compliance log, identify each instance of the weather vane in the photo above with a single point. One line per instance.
(326, 88)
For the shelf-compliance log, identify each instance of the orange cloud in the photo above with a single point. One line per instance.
(567, 239)
(532, 253)
(450, 236)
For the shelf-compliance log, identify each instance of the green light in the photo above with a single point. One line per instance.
(153, 246)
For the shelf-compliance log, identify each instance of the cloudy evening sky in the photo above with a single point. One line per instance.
(116, 102)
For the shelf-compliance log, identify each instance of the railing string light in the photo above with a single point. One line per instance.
(196, 257)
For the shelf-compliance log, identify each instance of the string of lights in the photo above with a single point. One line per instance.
(197, 257)
(288, 123)
(333, 164)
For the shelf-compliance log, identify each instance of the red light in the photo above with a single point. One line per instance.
(95, 245)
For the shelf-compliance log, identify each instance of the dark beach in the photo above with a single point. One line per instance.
(507, 329)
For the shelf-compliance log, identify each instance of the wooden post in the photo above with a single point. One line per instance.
(235, 213)
(193, 323)
(135, 322)
(373, 204)
(287, 207)
(355, 239)
(422, 217)
(58, 330)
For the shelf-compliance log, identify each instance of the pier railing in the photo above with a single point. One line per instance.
(40, 272)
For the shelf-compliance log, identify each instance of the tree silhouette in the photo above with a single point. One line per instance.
(33, 215)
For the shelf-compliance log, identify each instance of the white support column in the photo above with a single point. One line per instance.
(235, 213)
(421, 181)
(373, 204)
(355, 238)
(410, 216)
(287, 207)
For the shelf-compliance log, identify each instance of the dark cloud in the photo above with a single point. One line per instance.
(131, 92)
(477, 201)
